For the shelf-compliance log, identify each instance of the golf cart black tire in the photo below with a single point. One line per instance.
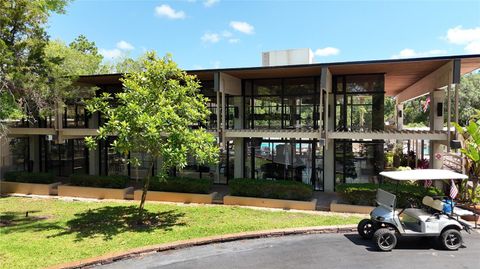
(385, 239)
(366, 228)
(448, 234)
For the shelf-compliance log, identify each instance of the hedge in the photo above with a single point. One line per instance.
(274, 189)
(181, 184)
(114, 182)
(30, 177)
(365, 193)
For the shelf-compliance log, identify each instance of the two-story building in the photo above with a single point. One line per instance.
(319, 123)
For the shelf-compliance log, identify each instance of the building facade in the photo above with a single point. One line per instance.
(321, 124)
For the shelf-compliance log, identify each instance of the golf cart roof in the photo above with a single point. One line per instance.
(423, 174)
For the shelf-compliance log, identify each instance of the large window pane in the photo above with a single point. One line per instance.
(285, 160)
(19, 149)
(358, 162)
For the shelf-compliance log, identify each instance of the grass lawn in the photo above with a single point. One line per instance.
(57, 231)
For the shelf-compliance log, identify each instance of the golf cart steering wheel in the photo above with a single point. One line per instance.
(412, 202)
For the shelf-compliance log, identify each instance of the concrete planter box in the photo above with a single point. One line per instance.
(346, 208)
(177, 197)
(91, 192)
(28, 188)
(272, 203)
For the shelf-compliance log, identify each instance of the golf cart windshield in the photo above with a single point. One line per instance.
(423, 174)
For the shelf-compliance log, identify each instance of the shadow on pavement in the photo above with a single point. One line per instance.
(112, 220)
(421, 243)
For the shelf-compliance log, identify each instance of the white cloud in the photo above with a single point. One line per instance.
(410, 53)
(209, 3)
(473, 47)
(460, 36)
(111, 54)
(120, 50)
(327, 51)
(469, 37)
(124, 45)
(233, 40)
(243, 27)
(168, 12)
(210, 38)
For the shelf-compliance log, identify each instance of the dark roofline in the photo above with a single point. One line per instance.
(418, 59)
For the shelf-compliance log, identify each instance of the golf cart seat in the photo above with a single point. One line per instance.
(433, 203)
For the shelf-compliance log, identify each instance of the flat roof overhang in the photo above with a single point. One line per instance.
(399, 73)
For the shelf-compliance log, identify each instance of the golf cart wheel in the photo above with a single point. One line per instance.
(385, 239)
(366, 228)
(451, 239)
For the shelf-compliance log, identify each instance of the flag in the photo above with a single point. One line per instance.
(427, 183)
(453, 189)
(426, 104)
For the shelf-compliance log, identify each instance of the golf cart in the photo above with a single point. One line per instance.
(387, 222)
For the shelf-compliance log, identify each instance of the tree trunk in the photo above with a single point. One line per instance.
(146, 184)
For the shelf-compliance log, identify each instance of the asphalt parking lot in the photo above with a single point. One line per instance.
(312, 251)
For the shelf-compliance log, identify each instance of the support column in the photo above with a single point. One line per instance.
(239, 166)
(4, 155)
(329, 154)
(34, 148)
(399, 116)
(94, 161)
(238, 104)
(437, 98)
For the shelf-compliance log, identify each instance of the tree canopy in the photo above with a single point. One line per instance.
(469, 97)
(25, 72)
(154, 114)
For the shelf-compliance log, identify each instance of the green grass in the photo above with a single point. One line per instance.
(57, 231)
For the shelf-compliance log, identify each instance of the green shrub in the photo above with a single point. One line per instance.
(30, 177)
(181, 184)
(275, 189)
(114, 182)
(364, 194)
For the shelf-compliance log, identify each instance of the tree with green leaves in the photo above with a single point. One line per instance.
(469, 97)
(471, 152)
(154, 114)
(25, 71)
(67, 62)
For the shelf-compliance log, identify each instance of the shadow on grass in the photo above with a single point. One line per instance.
(24, 221)
(109, 221)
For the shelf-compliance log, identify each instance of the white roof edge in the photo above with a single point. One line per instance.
(423, 174)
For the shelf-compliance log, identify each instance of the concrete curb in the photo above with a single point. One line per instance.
(136, 252)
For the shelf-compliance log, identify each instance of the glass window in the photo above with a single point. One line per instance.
(75, 116)
(281, 103)
(209, 92)
(64, 159)
(358, 162)
(364, 83)
(267, 112)
(284, 160)
(299, 86)
(267, 87)
(19, 154)
(361, 108)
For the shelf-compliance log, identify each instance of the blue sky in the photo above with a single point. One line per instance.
(221, 33)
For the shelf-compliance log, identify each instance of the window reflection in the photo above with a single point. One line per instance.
(285, 160)
(282, 103)
(358, 162)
